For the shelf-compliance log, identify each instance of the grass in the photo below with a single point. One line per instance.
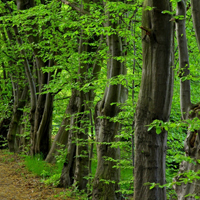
(49, 173)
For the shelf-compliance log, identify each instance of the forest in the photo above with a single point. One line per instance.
(107, 90)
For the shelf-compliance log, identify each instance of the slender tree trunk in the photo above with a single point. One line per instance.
(105, 185)
(77, 162)
(41, 105)
(76, 166)
(154, 100)
(62, 135)
(44, 131)
(195, 4)
(20, 96)
(16, 119)
(189, 110)
(183, 60)
(4, 127)
(67, 176)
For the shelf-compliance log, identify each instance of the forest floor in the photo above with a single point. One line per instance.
(17, 183)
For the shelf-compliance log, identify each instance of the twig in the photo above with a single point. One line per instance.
(75, 7)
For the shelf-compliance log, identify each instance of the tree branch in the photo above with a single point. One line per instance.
(75, 7)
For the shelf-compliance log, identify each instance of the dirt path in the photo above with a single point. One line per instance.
(16, 183)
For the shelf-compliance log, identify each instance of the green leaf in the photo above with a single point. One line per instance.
(158, 130)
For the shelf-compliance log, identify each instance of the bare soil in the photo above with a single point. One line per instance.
(16, 183)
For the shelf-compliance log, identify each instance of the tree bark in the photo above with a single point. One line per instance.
(20, 93)
(189, 110)
(183, 60)
(195, 4)
(4, 127)
(105, 184)
(65, 127)
(76, 166)
(16, 119)
(42, 104)
(154, 100)
(67, 176)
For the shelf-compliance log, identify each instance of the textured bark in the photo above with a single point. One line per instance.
(189, 110)
(105, 184)
(14, 129)
(183, 60)
(19, 103)
(67, 176)
(105, 171)
(63, 132)
(192, 145)
(76, 166)
(154, 100)
(44, 131)
(41, 104)
(195, 4)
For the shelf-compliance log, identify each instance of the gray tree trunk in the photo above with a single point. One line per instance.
(67, 176)
(189, 110)
(41, 104)
(20, 93)
(77, 162)
(65, 129)
(19, 103)
(195, 4)
(154, 100)
(62, 135)
(105, 184)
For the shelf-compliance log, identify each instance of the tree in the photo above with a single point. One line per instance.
(6, 97)
(77, 120)
(25, 34)
(189, 110)
(154, 101)
(107, 177)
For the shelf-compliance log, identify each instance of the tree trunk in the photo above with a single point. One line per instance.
(4, 127)
(76, 166)
(43, 137)
(154, 100)
(63, 132)
(105, 185)
(195, 4)
(19, 104)
(42, 104)
(67, 176)
(189, 110)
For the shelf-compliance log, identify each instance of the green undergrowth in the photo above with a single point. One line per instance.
(49, 173)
